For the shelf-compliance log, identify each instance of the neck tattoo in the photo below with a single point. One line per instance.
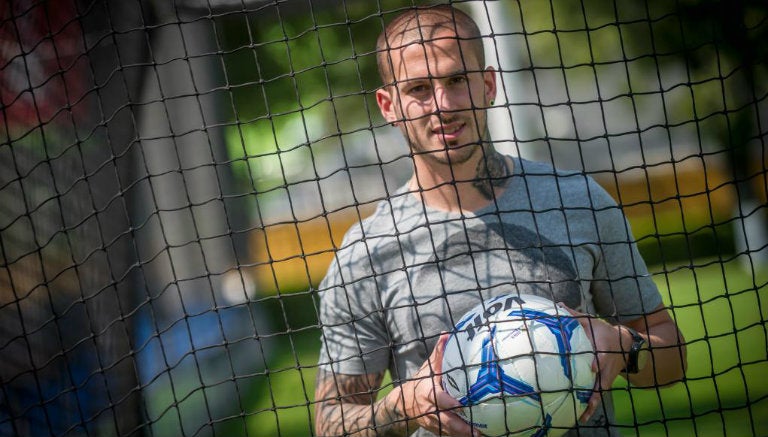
(491, 172)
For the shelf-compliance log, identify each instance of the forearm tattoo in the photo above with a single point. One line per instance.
(491, 172)
(346, 405)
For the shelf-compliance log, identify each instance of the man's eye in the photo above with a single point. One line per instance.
(418, 89)
(458, 79)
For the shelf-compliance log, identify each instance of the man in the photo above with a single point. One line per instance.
(471, 224)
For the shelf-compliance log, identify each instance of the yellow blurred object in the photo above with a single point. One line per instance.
(291, 256)
(694, 191)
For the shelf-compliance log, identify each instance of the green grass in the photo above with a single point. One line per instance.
(722, 312)
(283, 402)
(721, 309)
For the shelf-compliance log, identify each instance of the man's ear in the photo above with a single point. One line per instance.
(489, 77)
(386, 105)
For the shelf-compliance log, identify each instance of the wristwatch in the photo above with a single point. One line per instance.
(636, 360)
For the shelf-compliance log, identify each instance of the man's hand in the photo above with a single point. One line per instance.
(426, 403)
(612, 344)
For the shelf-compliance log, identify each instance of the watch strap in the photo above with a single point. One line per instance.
(634, 351)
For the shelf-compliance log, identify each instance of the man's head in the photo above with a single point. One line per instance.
(421, 24)
(436, 88)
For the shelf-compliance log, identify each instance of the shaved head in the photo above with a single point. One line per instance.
(421, 24)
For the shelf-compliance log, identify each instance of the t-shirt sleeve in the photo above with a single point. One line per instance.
(353, 334)
(622, 287)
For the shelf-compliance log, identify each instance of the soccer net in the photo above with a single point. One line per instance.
(175, 178)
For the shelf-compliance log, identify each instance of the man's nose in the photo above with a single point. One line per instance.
(444, 100)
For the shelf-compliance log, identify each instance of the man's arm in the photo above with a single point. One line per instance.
(667, 358)
(347, 405)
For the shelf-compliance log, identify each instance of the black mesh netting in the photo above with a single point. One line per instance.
(176, 175)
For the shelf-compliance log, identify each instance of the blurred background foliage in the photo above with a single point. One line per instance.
(680, 125)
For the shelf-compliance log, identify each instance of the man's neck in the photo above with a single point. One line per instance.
(463, 188)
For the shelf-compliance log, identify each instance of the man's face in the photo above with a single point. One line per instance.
(439, 97)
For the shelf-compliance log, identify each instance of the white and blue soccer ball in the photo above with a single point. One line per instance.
(520, 366)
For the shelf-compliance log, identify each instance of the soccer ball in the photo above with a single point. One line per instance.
(520, 366)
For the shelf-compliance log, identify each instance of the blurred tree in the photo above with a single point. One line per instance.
(722, 45)
(706, 59)
(738, 30)
(295, 61)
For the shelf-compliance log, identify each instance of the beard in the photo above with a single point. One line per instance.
(450, 154)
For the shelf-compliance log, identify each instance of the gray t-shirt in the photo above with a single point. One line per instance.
(408, 272)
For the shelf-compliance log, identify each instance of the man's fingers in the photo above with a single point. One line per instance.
(436, 359)
(435, 407)
(448, 408)
(601, 382)
(446, 402)
(592, 404)
(440, 346)
(453, 425)
(580, 317)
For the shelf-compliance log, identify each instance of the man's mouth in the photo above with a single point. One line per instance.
(449, 132)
